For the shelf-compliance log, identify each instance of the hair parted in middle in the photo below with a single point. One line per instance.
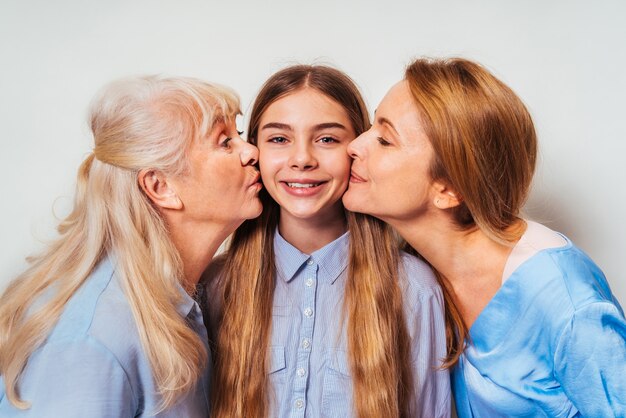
(378, 341)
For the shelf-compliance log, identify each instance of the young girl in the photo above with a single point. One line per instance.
(313, 310)
(536, 330)
(103, 323)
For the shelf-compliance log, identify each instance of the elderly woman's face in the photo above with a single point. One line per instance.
(390, 172)
(221, 185)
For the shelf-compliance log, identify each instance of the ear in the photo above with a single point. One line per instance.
(155, 186)
(445, 197)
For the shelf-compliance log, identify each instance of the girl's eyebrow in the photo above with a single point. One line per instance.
(328, 125)
(318, 127)
(277, 125)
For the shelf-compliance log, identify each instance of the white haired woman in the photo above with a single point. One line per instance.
(104, 323)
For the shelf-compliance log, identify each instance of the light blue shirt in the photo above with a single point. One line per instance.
(309, 368)
(551, 343)
(93, 364)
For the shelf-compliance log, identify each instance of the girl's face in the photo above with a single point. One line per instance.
(390, 173)
(303, 139)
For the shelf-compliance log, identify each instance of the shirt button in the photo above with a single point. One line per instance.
(299, 403)
(300, 372)
(309, 282)
(309, 262)
(308, 312)
(306, 343)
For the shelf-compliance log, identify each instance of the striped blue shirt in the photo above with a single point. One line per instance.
(309, 369)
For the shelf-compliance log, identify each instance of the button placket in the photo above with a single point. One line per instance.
(305, 337)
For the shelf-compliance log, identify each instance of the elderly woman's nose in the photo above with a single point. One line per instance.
(249, 154)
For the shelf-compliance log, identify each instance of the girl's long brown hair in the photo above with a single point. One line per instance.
(378, 341)
(485, 148)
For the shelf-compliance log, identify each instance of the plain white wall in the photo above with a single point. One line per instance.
(566, 59)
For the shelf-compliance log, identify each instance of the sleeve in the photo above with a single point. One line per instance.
(431, 383)
(74, 379)
(590, 360)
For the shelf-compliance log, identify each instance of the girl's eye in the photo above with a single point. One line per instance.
(239, 133)
(328, 140)
(278, 140)
(382, 141)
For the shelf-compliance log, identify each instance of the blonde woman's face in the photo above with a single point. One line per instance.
(221, 185)
(302, 140)
(390, 172)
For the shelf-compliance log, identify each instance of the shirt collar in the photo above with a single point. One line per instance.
(332, 259)
(186, 303)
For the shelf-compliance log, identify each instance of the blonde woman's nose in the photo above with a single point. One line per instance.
(356, 146)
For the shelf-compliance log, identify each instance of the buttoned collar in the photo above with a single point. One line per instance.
(332, 259)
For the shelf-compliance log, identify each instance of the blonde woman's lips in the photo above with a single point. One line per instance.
(355, 178)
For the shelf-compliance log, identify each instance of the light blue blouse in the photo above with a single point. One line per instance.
(551, 343)
(309, 369)
(93, 365)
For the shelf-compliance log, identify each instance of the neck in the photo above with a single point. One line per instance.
(311, 234)
(469, 261)
(457, 254)
(197, 245)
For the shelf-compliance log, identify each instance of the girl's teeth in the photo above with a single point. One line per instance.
(301, 185)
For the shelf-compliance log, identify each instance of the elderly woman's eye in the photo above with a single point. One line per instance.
(226, 142)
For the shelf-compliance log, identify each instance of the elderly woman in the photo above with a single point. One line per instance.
(533, 327)
(104, 322)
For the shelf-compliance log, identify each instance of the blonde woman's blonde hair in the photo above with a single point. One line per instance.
(485, 147)
(137, 123)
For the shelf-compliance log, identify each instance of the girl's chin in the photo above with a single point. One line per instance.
(313, 212)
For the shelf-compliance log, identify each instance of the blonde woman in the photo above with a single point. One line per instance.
(314, 310)
(104, 322)
(534, 328)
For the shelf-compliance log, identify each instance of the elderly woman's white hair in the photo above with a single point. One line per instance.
(138, 123)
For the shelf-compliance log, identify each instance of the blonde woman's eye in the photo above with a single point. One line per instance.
(382, 141)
